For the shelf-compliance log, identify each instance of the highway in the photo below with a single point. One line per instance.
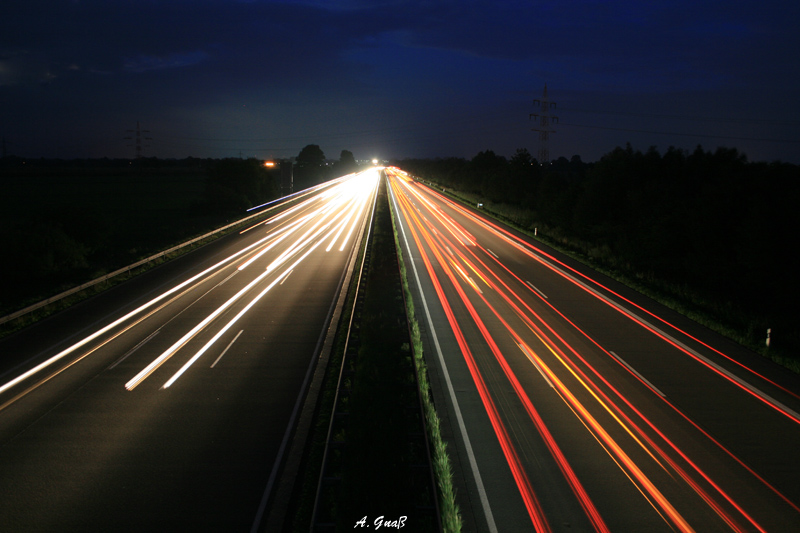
(170, 401)
(571, 403)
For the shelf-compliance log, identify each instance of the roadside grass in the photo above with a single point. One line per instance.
(173, 215)
(724, 318)
(302, 505)
(377, 463)
(68, 301)
(443, 472)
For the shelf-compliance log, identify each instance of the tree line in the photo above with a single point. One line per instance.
(64, 222)
(707, 227)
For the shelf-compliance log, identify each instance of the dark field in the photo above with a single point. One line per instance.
(64, 225)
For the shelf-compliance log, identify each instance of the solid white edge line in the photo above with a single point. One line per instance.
(487, 510)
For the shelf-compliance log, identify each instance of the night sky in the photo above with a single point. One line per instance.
(397, 79)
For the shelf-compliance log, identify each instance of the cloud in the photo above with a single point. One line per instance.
(20, 67)
(237, 65)
(143, 63)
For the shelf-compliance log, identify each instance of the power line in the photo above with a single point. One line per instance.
(683, 134)
(685, 117)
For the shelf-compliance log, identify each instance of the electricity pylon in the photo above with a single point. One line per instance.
(545, 119)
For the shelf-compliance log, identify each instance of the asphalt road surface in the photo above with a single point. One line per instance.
(571, 403)
(165, 404)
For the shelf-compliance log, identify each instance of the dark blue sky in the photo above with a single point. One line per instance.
(214, 78)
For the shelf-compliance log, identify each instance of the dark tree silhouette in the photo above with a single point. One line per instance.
(311, 156)
(347, 163)
(707, 227)
(310, 167)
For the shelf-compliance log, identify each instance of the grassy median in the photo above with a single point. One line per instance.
(448, 508)
(378, 468)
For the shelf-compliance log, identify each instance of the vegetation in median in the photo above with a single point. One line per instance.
(377, 465)
(448, 508)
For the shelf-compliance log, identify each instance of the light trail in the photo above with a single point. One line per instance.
(589, 508)
(476, 475)
(302, 193)
(60, 355)
(157, 362)
(532, 504)
(572, 365)
(239, 315)
(355, 206)
(286, 234)
(198, 278)
(539, 256)
(437, 243)
(309, 238)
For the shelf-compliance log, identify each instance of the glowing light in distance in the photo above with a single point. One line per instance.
(278, 280)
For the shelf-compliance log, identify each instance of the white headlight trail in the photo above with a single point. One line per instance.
(286, 255)
(239, 315)
(38, 368)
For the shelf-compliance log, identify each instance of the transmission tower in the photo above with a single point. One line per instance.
(138, 137)
(545, 120)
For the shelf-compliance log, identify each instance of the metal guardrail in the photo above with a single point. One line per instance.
(130, 267)
(352, 342)
(347, 347)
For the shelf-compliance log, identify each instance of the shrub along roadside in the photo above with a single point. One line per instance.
(443, 473)
(383, 463)
(706, 229)
(724, 318)
(377, 463)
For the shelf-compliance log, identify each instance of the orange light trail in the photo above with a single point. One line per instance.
(532, 251)
(555, 451)
(572, 366)
(437, 244)
(523, 483)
